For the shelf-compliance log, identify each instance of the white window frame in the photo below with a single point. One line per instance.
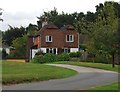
(48, 39)
(70, 40)
(52, 49)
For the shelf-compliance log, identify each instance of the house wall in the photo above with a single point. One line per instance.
(71, 44)
(57, 38)
(43, 49)
(74, 49)
(36, 41)
(34, 51)
(29, 45)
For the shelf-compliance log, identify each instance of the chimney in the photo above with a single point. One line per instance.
(45, 22)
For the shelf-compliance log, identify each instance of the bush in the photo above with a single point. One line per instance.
(63, 57)
(38, 59)
(50, 58)
(75, 54)
(47, 58)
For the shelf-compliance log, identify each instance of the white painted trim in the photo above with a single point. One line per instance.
(74, 49)
(34, 51)
(43, 49)
(69, 38)
(47, 38)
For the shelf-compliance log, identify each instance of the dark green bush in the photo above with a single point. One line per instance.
(47, 58)
(75, 54)
(63, 57)
(38, 59)
(50, 57)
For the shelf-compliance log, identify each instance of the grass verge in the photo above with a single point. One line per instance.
(93, 65)
(113, 86)
(16, 72)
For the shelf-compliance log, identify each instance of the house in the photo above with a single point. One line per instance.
(51, 39)
(5, 47)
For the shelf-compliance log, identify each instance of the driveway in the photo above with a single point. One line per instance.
(85, 79)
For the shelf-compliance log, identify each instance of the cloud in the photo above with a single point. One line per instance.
(22, 12)
(18, 19)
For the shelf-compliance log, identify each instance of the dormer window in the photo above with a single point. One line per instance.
(48, 38)
(69, 38)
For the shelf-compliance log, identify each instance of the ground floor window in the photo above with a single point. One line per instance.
(51, 50)
(66, 50)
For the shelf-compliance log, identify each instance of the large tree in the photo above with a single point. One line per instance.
(104, 37)
(12, 33)
(19, 45)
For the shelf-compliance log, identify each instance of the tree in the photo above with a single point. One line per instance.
(12, 33)
(20, 46)
(1, 11)
(104, 35)
(4, 54)
(31, 29)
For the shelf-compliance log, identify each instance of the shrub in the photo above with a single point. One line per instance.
(75, 54)
(38, 59)
(47, 58)
(4, 54)
(50, 57)
(63, 57)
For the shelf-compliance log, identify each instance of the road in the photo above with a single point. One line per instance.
(85, 79)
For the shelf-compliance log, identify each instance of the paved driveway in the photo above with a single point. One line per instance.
(85, 79)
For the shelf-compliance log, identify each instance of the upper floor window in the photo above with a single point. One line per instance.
(48, 38)
(69, 38)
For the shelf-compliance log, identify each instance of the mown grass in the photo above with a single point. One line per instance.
(93, 65)
(113, 86)
(16, 72)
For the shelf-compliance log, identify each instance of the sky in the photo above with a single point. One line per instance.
(22, 12)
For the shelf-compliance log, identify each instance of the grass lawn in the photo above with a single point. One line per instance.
(93, 65)
(16, 72)
(113, 86)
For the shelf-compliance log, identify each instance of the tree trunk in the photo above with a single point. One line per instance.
(113, 60)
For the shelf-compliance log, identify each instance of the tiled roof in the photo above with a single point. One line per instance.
(49, 26)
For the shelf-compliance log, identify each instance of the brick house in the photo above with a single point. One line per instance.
(51, 39)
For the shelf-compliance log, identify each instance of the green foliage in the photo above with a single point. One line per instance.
(63, 57)
(75, 54)
(4, 54)
(31, 29)
(104, 42)
(38, 59)
(12, 33)
(20, 47)
(47, 58)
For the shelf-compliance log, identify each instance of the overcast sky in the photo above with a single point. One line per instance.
(22, 12)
